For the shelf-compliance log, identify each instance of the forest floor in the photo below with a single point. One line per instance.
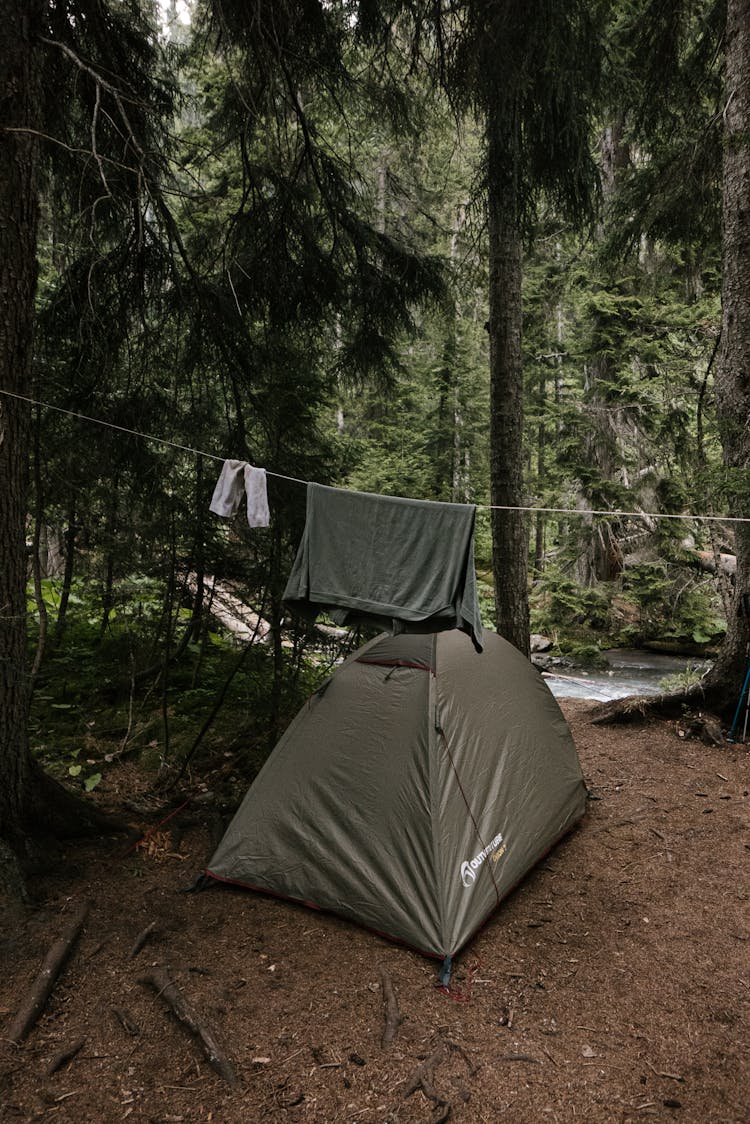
(612, 985)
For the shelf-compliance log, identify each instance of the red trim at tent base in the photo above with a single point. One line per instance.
(378, 932)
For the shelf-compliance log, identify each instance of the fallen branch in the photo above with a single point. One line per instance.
(41, 989)
(141, 939)
(158, 978)
(65, 1055)
(393, 1017)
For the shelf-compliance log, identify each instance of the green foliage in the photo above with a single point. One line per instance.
(533, 72)
(673, 604)
(666, 64)
(583, 655)
(294, 271)
(93, 699)
(559, 604)
(683, 680)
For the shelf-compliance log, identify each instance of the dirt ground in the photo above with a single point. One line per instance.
(613, 985)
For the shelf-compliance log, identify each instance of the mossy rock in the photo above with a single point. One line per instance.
(584, 655)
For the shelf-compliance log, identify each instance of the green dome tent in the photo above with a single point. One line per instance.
(412, 791)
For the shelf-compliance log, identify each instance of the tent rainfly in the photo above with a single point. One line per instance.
(412, 791)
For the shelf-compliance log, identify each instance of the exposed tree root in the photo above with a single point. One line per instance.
(716, 693)
(51, 812)
(64, 814)
(12, 884)
(126, 1021)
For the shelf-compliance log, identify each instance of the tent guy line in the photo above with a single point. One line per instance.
(296, 480)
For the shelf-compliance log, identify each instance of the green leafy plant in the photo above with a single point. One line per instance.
(683, 680)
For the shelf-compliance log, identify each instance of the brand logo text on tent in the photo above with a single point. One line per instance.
(471, 866)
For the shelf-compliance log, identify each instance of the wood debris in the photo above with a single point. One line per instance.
(43, 985)
(393, 1017)
(159, 979)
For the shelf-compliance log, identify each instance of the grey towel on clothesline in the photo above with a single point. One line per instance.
(404, 564)
(238, 478)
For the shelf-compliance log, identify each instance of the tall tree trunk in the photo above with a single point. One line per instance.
(196, 618)
(541, 471)
(275, 592)
(509, 531)
(110, 538)
(36, 556)
(732, 375)
(445, 425)
(20, 100)
(600, 557)
(69, 539)
(31, 803)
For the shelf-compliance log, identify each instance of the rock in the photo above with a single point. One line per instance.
(540, 643)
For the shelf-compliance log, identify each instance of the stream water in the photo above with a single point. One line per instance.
(630, 672)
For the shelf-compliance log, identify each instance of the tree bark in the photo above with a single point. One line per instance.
(69, 539)
(510, 545)
(32, 804)
(20, 102)
(732, 373)
(600, 558)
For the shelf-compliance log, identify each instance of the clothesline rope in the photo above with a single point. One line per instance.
(616, 511)
(135, 432)
(689, 516)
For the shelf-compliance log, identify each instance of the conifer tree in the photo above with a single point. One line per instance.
(531, 75)
(79, 81)
(270, 258)
(732, 376)
(688, 94)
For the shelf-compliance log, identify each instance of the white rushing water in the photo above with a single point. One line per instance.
(630, 672)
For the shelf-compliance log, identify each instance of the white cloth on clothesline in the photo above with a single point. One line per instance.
(238, 478)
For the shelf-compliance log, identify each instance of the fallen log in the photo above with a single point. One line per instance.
(158, 978)
(641, 708)
(42, 987)
(393, 1017)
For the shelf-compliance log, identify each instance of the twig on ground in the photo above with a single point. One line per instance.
(458, 1049)
(660, 1073)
